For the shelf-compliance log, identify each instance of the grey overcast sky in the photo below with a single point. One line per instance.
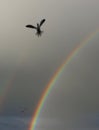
(27, 62)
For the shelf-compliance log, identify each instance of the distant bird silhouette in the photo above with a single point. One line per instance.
(23, 110)
(38, 28)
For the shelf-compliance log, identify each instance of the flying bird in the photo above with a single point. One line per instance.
(38, 28)
(23, 110)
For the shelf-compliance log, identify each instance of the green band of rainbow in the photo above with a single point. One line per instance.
(51, 83)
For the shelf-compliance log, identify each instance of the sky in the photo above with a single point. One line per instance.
(27, 62)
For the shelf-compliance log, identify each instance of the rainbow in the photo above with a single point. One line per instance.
(9, 82)
(54, 78)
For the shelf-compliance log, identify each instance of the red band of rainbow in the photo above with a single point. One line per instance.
(51, 83)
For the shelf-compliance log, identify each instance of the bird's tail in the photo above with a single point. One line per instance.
(39, 33)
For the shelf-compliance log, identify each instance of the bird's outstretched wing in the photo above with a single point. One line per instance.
(31, 26)
(42, 21)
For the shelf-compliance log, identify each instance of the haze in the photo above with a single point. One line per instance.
(27, 62)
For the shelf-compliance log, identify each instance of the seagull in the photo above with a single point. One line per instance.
(38, 28)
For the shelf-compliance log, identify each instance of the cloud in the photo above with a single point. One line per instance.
(14, 123)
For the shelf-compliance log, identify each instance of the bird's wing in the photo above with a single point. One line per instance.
(42, 21)
(31, 26)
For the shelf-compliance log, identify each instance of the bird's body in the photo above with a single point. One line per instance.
(38, 28)
(39, 32)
